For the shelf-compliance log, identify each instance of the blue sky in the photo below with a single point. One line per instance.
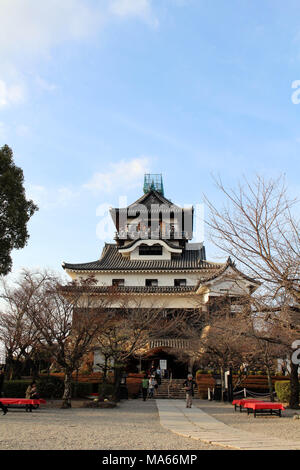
(94, 93)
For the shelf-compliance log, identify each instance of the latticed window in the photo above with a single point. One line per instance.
(179, 282)
(118, 282)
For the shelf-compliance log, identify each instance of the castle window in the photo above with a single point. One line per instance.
(154, 250)
(179, 282)
(118, 282)
(151, 283)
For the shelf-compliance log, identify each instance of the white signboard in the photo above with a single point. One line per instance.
(163, 364)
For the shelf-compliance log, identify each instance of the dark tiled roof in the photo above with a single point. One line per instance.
(132, 289)
(153, 198)
(233, 266)
(112, 260)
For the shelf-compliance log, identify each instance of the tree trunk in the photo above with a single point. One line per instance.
(222, 384)
(66, 403)
(270, 384)
(118, 374)
(294, 385)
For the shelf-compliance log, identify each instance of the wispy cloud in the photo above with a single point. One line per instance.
(123, 175)
(45, 85)
(31, 29)
(37, 26)
(47, 198)
(134, 8)
(11, 94)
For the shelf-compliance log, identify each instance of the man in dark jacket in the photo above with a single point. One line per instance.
(189, 385)
(3, 407)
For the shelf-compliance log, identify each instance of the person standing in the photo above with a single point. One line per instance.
(158, 376)
(189, 385)
(145, 386)
(152, 369)
(152, 383)
(1, 381)
(31, 393)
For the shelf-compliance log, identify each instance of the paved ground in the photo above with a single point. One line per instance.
(203, 423)
(132, 425)
(285, 428)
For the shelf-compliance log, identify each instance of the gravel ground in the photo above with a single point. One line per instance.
(283, 428)
(132, 425)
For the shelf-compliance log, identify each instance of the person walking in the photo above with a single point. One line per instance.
(2, 406)
(189, 385)
(145, 386)
(152, 383)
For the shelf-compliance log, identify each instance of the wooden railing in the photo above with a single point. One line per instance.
(174, 343)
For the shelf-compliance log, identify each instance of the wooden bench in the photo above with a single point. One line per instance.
(29, 403)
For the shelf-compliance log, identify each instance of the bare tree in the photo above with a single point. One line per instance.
(259, 228)
(130, 330)
(17, 331)
(62, 319)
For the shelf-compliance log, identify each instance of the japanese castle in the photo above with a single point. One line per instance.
(154, 259)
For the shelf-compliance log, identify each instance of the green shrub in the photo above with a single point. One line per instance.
(15, 388)
(105, 390)
(81, 389)
(283, 390)
(50, 387)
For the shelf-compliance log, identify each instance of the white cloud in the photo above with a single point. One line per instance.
(10, 94)
(45, 85)
(124, 175)
(30, 29)
(50, 198)
(121, 175)
(137, 8)
(32, 26)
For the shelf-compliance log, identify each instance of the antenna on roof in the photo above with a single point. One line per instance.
(153, 182)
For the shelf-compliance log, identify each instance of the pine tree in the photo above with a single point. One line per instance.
(15, 209)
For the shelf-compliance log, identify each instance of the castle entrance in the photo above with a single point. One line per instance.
(169, 363)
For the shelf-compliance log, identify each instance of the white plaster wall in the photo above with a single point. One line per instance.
(138, 279)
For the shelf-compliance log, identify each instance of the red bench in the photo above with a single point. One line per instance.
(264, 407)
(28, 402)
(241, 401)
